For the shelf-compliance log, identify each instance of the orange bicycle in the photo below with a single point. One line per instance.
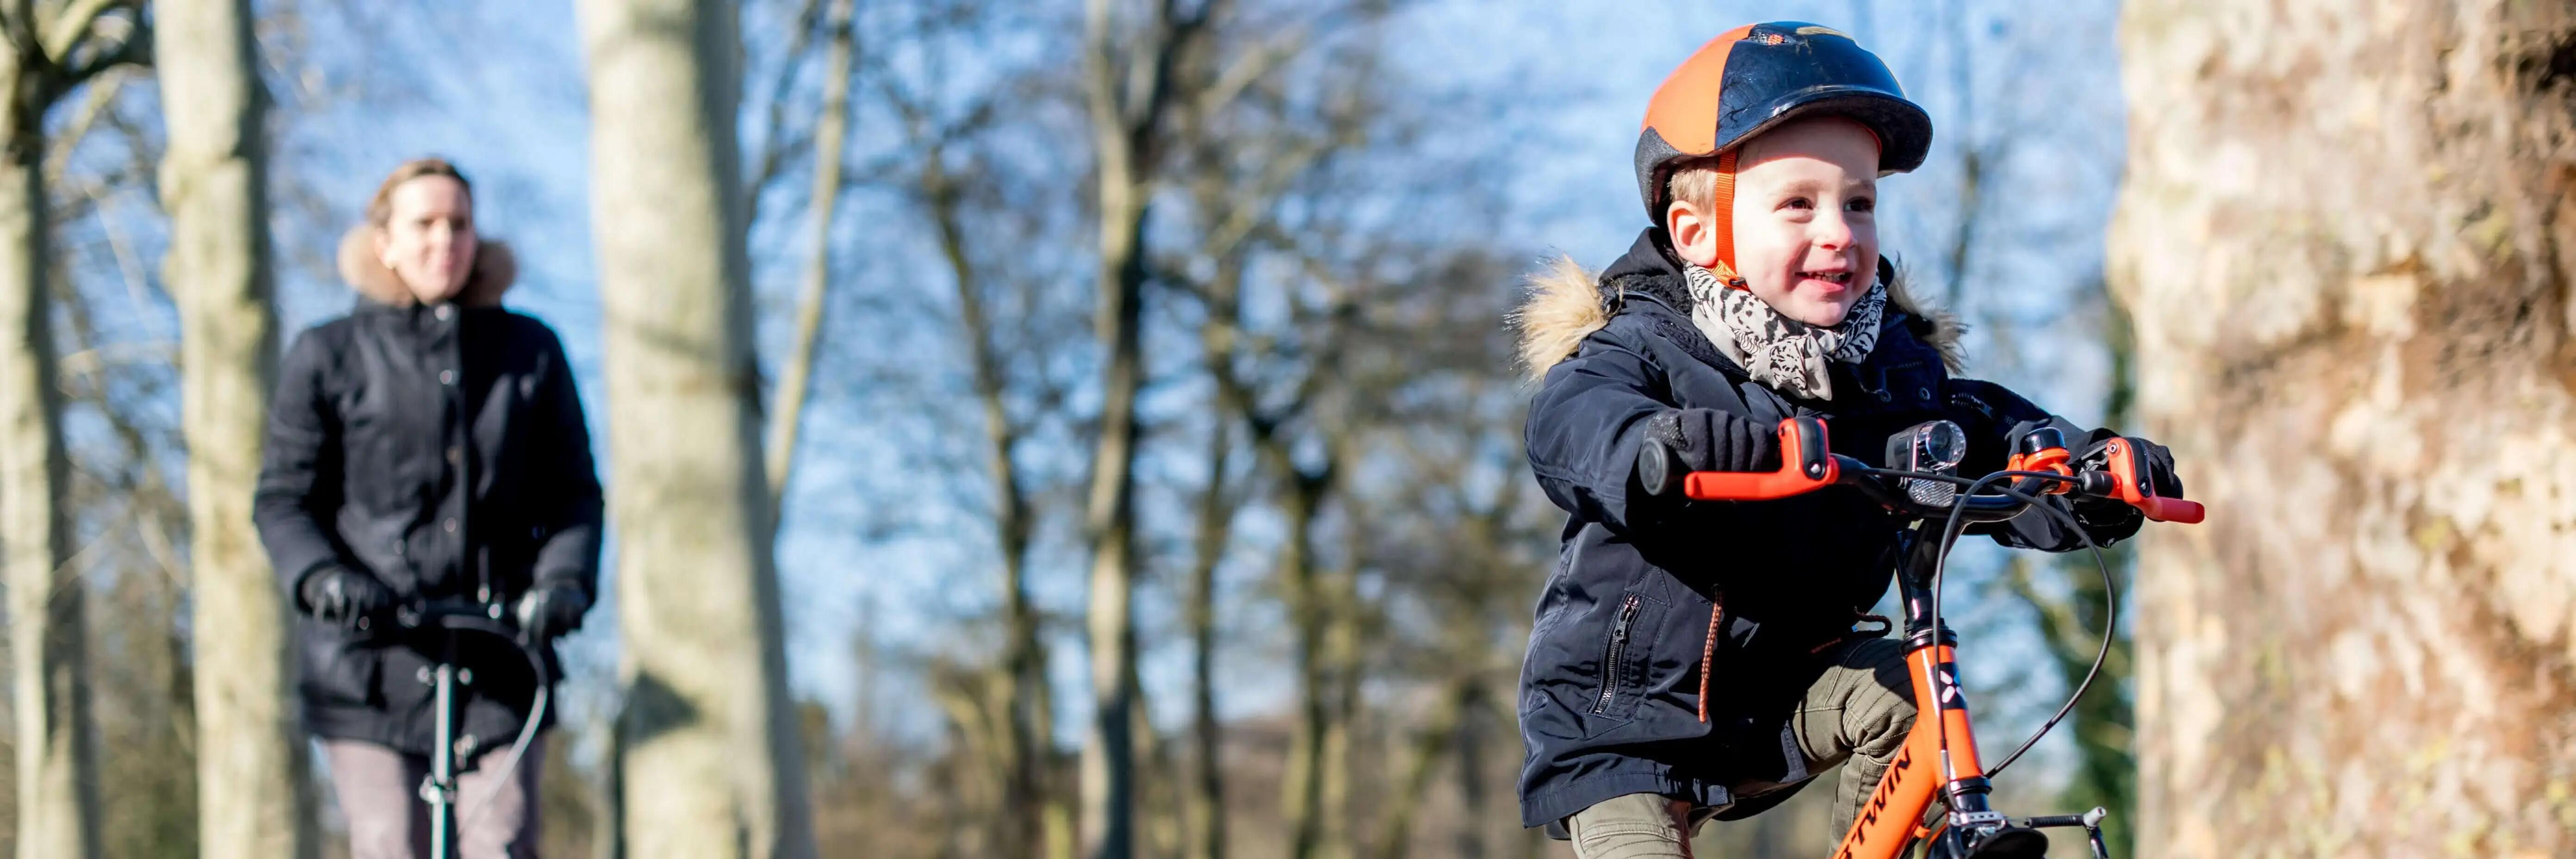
(1939, 759)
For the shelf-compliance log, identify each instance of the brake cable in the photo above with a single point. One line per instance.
(1955, 526)
(536, 708)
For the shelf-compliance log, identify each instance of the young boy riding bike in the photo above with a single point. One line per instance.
(1692, 660)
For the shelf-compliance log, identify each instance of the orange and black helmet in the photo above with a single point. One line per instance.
(1755, 77)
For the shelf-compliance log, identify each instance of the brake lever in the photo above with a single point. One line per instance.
(2129, 483)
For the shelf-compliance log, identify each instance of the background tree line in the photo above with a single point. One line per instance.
(1087, 429)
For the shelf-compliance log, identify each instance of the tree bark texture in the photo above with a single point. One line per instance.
(57, 766)
(255, 799)
(2347, 238)
(712, 765)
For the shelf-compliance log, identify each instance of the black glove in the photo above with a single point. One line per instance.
(1703, 440)
(351, 599)
(2156, 457)
(551, 610)
(2111, 518)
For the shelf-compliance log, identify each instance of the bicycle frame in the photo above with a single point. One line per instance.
(1923, 770)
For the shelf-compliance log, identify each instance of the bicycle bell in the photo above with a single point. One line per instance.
(1931, 446)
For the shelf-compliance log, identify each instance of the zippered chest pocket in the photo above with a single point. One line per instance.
(1626, 655)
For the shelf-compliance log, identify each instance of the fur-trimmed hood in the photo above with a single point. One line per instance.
(1566, 303)
(496, 268)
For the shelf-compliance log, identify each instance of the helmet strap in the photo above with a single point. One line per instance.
(1721, 217)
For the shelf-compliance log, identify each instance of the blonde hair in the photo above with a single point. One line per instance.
(1694, 182)
(380, 208)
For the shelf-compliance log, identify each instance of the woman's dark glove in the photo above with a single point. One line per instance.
(351, 599)
(551, 611)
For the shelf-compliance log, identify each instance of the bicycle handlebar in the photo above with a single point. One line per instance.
(460, 617)
(1807, 464)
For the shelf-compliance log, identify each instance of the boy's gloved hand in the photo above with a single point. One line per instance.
(2157, 458)
(551, 610)
(351, 599)
(1712, 440)
(1704, 440)
(2115, 519)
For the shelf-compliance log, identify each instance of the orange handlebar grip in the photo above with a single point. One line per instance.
(2174, 510)
(2130, 485)
(1806, 464)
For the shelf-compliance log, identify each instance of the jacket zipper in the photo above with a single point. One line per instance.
(1618, 649)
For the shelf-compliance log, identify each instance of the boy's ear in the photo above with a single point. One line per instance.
(1694, 237)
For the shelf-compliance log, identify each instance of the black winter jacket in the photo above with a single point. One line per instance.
(1609, 691)
(442, 450)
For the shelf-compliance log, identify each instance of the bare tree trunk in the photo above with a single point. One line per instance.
(983, 794)
(57, 772)
(796, 375)
(1158, 827)
(1308, 619)
(711, 755)
(1473, 820)
(254, 797)
(1338, 837)
(1206, 802)
(1431, 742)
(1024, 658)
(1128, 93)
(2347, 240)
(1310, 785)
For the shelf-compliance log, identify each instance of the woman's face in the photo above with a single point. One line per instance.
(428, 241)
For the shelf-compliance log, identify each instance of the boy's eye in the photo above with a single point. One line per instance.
(1798, 203)
(1862, 204)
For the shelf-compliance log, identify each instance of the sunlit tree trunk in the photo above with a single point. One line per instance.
(254, 799)
(710, 753)
(57, 775)
(1128, 92)
(2347, 240)
(57, 767)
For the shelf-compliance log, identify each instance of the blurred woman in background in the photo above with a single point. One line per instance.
(427, 449)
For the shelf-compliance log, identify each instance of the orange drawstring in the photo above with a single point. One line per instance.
(1708, 651)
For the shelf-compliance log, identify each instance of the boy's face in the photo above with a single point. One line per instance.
(1806, 238)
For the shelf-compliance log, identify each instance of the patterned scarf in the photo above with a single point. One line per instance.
(1776, 350)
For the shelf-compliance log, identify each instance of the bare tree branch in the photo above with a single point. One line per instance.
(134, 49)
(66, 27)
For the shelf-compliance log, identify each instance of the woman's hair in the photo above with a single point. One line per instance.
(380, 209)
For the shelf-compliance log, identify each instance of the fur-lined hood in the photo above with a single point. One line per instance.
(496, 268)
(1566, 303)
